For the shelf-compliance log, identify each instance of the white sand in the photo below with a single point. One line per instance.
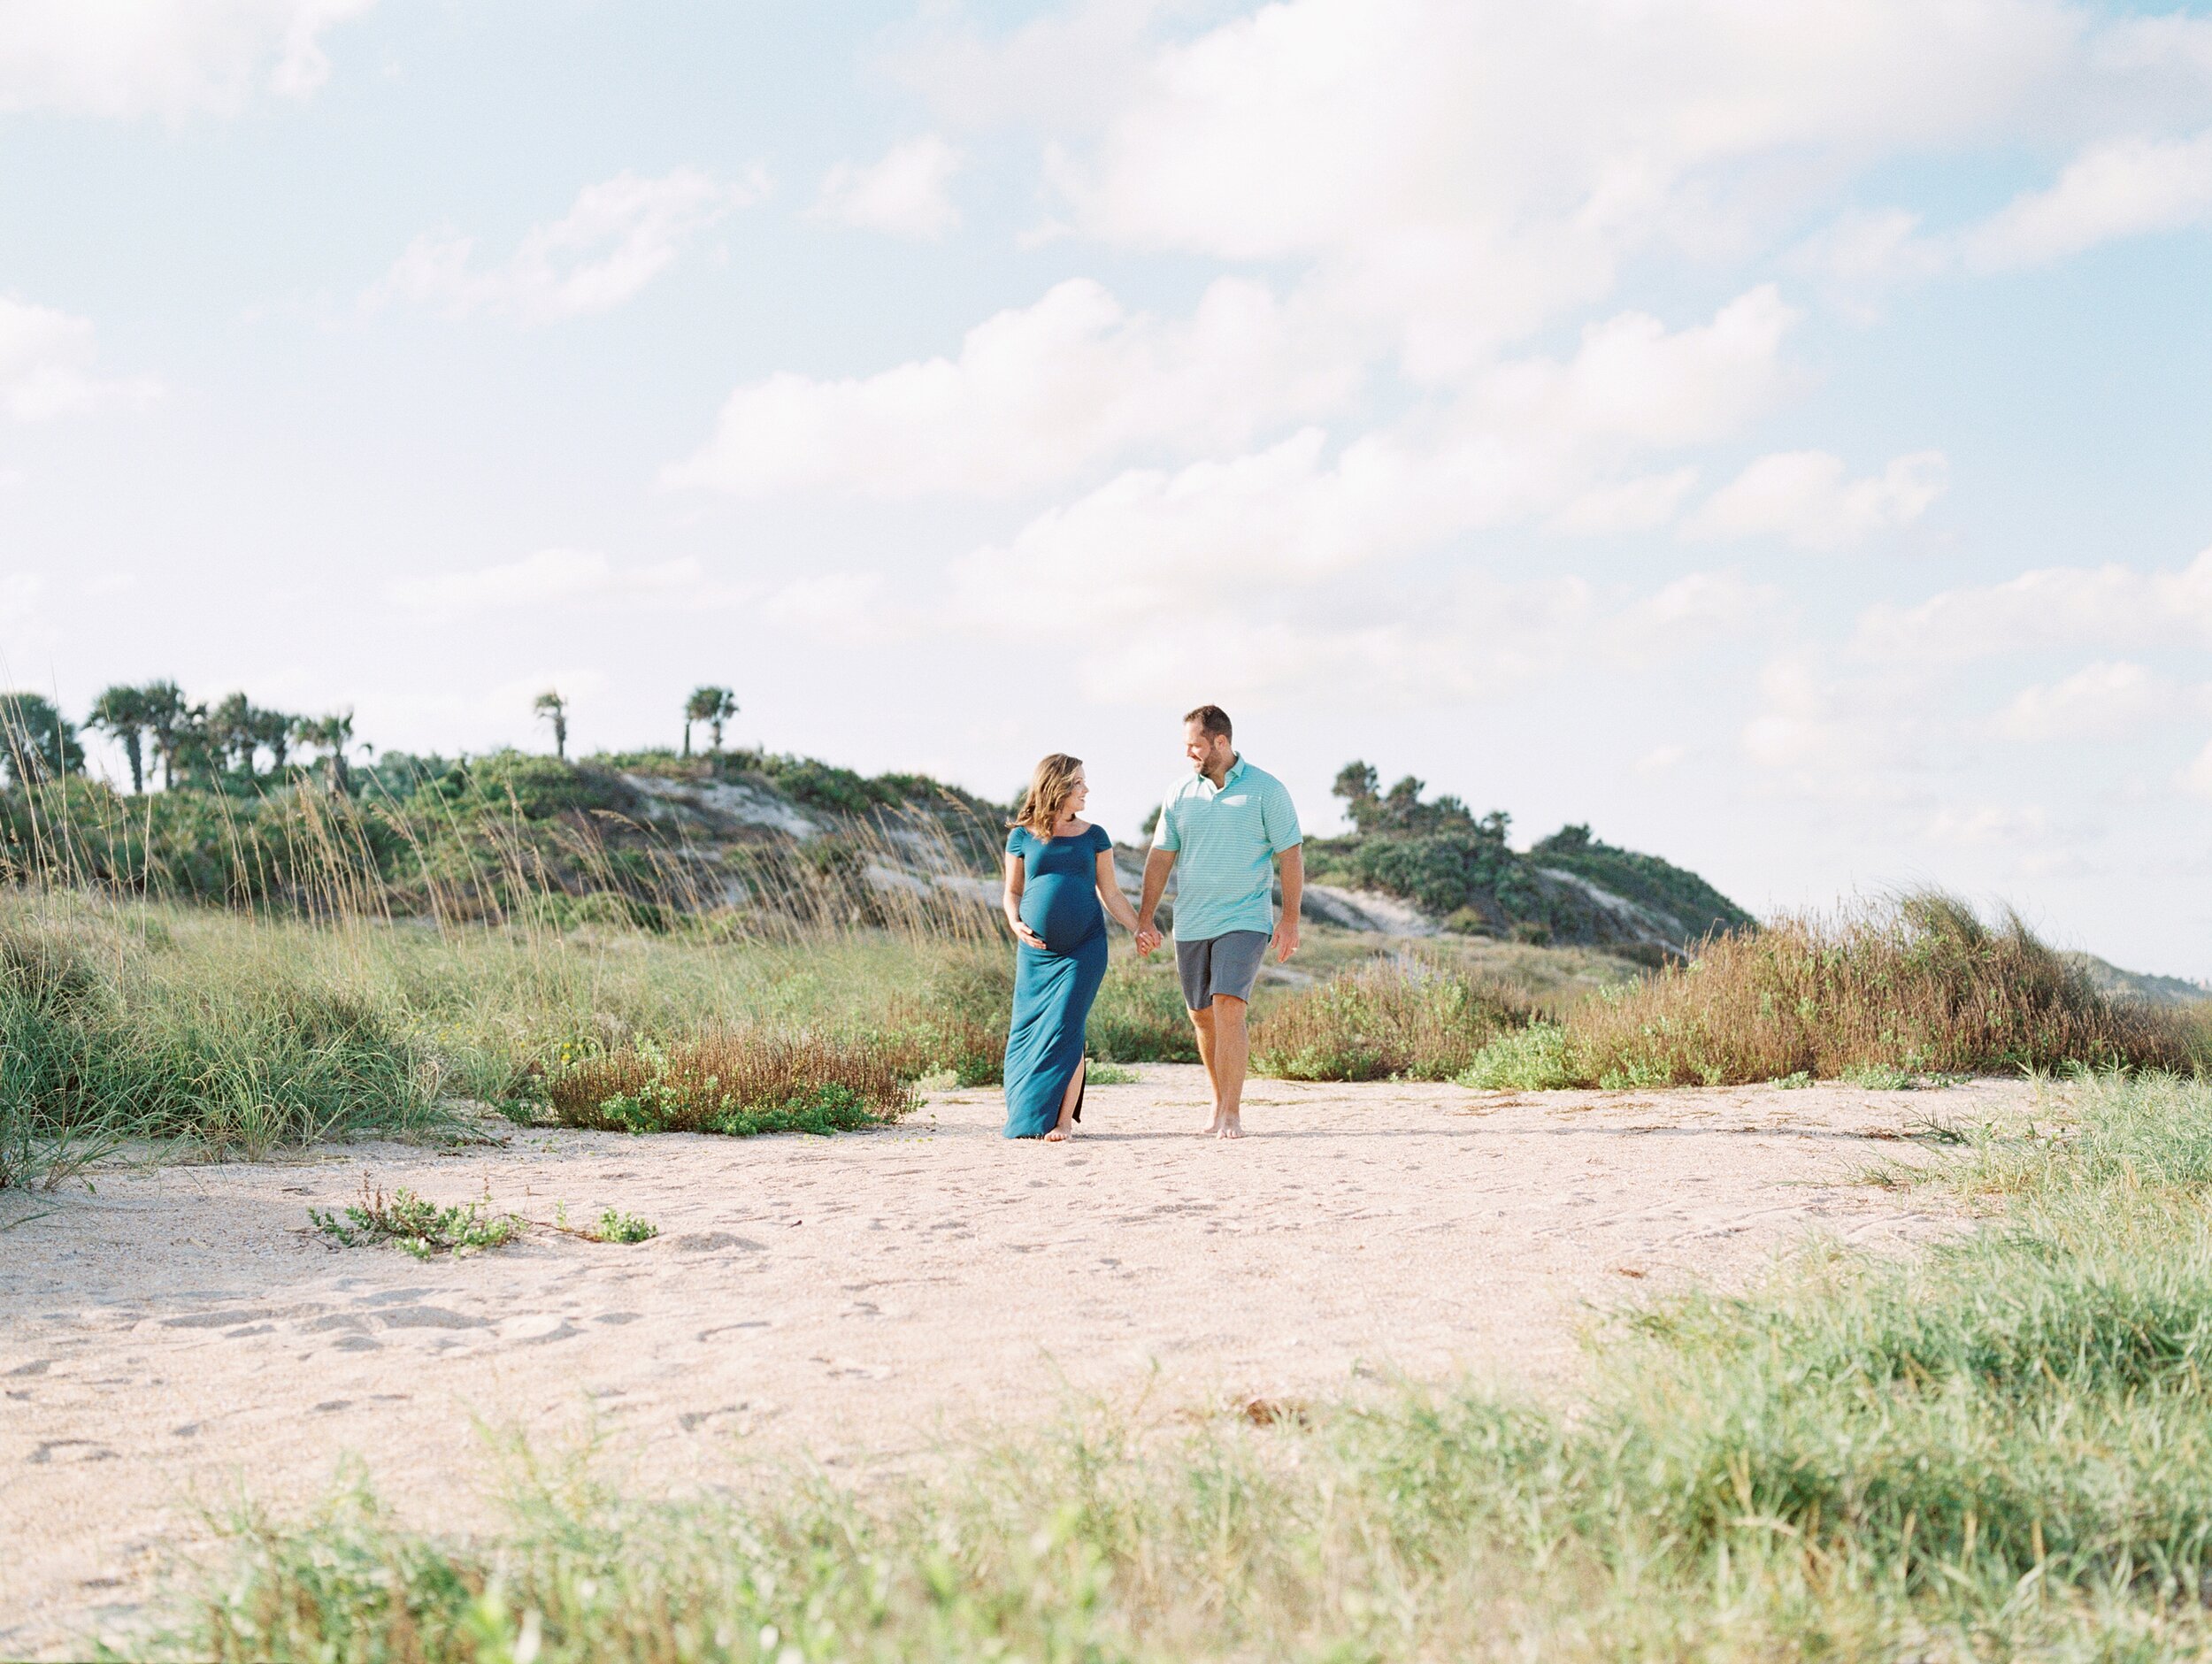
(180, 1336)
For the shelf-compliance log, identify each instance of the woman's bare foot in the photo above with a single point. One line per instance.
(1059, 1134)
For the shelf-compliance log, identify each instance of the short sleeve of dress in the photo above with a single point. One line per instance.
(1014, 841)
(1102, 840)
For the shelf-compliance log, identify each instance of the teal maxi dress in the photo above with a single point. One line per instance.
(1054, 985)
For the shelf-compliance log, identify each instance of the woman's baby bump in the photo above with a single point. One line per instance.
(1063, 908)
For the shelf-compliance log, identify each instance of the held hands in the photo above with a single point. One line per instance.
(1147, 941)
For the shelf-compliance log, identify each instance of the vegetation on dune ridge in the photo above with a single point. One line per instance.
(509, 835)
(263, 806)
(1920, 985)
(1459, 868)
(1999, 1448)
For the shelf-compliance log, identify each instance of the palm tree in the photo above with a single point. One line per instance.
(552, 707)
(124, 714)
(198, 749)
(272, 729)
(334, 734)
(36, 743)
(712, 706)
(725, 708)
(230, 727)
(167, 717)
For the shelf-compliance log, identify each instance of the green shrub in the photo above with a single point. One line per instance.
(1533, 1059)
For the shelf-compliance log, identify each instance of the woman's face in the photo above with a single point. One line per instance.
(1079, 793)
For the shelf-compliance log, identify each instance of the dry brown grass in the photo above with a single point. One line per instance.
(1411, 1016)
(734, 1081)
(1919, 985)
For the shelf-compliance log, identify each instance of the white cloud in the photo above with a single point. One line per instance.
(2097, 700)
(1044, 393)
(2053, 606)
(1638, 504)
(2115, 188)
(1842, 737)
(2196, 778)
(618, 236)
(908, 194)
(551, 578)
(1803, 497)
(1075, 66)
(44, 359)
(2118, 188)
(1037, 395)
(1660, 759)
(1462, 171)
(167, 58)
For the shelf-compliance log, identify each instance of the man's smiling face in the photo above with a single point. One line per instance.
(1208, 753)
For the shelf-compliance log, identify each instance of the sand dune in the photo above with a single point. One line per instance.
(181, 1335)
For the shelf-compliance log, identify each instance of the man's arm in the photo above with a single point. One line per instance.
(1294, 898)
(1156, 867)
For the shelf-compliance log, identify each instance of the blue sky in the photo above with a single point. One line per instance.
(1775, 434)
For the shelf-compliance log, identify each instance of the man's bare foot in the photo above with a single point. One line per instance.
(1228, 1127)
(1059, 1134)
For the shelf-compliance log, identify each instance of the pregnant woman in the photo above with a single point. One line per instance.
(1059, 888)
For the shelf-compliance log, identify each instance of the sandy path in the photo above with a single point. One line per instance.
(179, 1333)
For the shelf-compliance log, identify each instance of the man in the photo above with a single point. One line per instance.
(1221, 831)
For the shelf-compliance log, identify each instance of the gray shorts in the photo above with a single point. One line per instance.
(1226, 964)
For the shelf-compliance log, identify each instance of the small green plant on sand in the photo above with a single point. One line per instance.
(616, 1226)
(422, 1228)
(1111, 1074)
(1533, 1059)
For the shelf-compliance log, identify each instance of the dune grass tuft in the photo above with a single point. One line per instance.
(1922, 985)
(1410, 1015)
(1889, 996)
(735, 1081)
(109, 1034)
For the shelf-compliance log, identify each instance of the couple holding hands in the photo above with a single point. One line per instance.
(1221, 831)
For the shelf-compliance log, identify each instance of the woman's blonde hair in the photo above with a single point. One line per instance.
(1047, 799)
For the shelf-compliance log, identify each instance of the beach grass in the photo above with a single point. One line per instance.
(1884, 994)
(194, 1031)
(1999, 1448)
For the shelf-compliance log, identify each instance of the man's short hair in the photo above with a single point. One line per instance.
(1211, 719)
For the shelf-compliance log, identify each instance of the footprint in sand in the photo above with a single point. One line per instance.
(430, 1317)
(536, 1328)
(72, 1450)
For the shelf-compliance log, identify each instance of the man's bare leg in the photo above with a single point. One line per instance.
(1232, 1049)
(1069, 1098)
(1203, 1022)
